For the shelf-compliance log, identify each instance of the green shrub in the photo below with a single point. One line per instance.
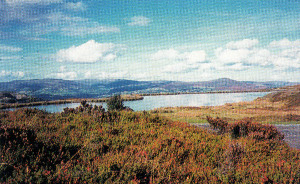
(115, 103)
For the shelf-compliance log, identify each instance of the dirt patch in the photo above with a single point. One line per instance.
(291, 134)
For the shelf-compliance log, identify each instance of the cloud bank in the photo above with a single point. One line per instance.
(247, 57)
(280, 55)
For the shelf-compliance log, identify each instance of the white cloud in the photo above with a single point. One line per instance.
(16, 74)
(242, 56)
(18, 2)
(79, 6)
(287, 54)
(166, 54)
(179, 62)
(88, 75)
(107, 75)
(176, 68)
(88, 30)
(174, 55)
(285, 43)
(35, 22)
(260, 57)
(62, 68)
(239, 55)
(195, 56)
(229, 56)
(283, 61)
(139, 21)
(89, 52)
(9, 48)
(9, 58)
(70, 26)
(110, 57)
(66, 75)
(237, 67)
(242, 44)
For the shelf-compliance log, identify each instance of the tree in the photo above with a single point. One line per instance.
(115, 103)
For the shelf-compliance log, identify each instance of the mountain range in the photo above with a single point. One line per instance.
(53, 89)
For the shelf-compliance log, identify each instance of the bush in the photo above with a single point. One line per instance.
(232, 157)
(246, 128)
(115, 103)
(217, 124)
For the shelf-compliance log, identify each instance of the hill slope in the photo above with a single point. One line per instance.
(289, 95)
(9, 97)
(279, 107)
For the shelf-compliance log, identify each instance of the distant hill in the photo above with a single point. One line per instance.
(52, 89)
(13, 97)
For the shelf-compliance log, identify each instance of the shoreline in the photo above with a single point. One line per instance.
(132, 97)
(67, 101)
(208, 92)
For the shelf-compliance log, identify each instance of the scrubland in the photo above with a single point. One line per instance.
(89, 145)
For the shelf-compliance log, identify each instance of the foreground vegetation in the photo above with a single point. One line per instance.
(89, 145)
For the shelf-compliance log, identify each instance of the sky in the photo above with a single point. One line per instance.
(191, 40)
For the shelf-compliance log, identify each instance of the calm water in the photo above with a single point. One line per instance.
(152, 102)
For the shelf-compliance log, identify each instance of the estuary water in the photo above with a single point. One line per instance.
(152, 102)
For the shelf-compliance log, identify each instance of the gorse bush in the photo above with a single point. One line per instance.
(84, 107)
(89, 145)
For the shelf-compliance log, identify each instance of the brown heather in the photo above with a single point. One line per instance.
(89, 145)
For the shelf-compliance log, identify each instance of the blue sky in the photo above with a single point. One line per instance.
(189, 40)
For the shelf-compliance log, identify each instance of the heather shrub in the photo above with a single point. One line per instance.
(82, 146)
(232, 157)
(292, 117)
(218, 124)
(246, 128)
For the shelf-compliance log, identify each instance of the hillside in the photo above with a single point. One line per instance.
(88, 145)
(279, 107)
(11, 97)
(53, 89)
(289, 95)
